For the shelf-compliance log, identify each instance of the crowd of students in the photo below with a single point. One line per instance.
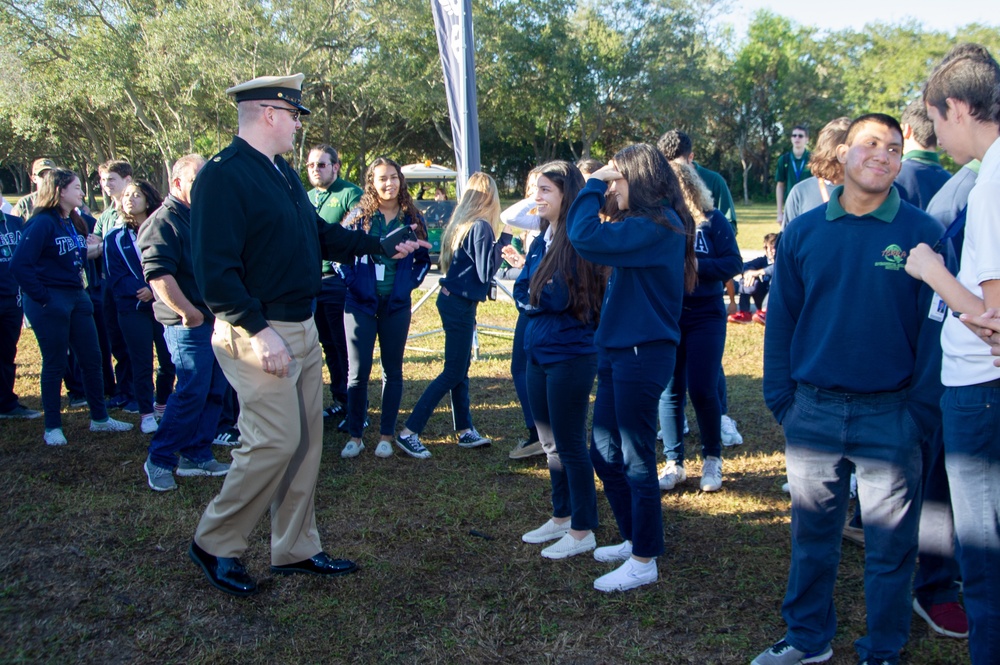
(621, 282)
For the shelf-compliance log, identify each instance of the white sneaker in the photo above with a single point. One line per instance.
(149, 424)
(568, 546)
(55, 437)
(353, 449)
(109, 425)
(383, 449)
(711, 475)
(672, 474)
(548, 531)
(730, 437)
(618, 552)
(629, 575)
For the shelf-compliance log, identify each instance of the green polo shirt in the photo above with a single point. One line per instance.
(923, 156)
(885, 212)
(333, 204)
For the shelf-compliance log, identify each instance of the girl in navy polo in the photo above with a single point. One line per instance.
(378, 303)
(48, 265)
(134, 304)
(647, 242)
(560, 296)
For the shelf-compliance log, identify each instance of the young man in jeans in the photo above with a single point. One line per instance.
(843, 395)
(962, 102)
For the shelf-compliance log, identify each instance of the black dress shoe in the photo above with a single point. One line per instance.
(224, 573)
(321, 564)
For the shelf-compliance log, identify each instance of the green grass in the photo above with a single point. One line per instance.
(93, 566)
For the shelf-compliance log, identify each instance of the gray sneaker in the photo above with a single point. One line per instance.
(783, 653)
(186, 468)
(109, 425)
(160, 479)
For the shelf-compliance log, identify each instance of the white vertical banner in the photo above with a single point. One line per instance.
(453, 22)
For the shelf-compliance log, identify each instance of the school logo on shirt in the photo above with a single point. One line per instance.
(893, 258)
(700, 244)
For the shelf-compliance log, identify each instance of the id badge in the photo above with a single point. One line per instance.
(379, 272)
(938, 309)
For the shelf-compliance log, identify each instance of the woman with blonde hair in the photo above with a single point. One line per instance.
(470, 255)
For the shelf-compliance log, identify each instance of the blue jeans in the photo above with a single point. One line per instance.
(825, 433)
(518, 369)
(11, 320)
(67, 322)
(559, 393)
(971, 421)
(623, 449)
(330, 326)
(360, 330)
(936, 579)
(699, 359)
(458, 317)
(189, 423)
(142, 334)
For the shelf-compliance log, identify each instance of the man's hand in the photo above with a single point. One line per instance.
(410, 246)
(922, 259)
(987, 327)
(272, 352)
(144, 294)
(192, 319)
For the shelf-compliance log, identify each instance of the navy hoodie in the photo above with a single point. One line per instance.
(10, 234)
(51, 255)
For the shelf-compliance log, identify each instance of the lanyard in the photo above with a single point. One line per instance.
(953, 229)
(798, 169)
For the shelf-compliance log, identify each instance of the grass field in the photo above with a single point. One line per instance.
(93, 566)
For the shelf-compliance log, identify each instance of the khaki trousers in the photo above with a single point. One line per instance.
(281, 441)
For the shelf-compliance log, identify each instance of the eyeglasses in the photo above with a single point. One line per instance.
(295, 112)
(318, 165)
(798, 136)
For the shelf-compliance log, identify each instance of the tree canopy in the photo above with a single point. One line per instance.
(88, 80)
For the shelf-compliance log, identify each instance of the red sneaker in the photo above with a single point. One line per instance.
(760, 316)
(944, 618)
(740, 317)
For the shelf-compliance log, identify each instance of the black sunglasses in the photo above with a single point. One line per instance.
(295, 112)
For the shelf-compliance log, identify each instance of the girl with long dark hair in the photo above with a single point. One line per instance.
(378, 304)
(134, 304)
(470, 255)
(48, 265)
(560, 294)
(648, 243)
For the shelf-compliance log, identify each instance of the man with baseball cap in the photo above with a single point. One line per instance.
(257, 245)
(26, 205)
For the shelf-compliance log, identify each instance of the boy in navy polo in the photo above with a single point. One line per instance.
(837, 375)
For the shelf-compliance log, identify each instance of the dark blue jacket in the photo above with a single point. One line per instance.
(123, 270)
(552, 333)
(10, 234)
(719, 258)
(643, 300)
(919, 180)
(359, 275)
(51, 255)
(476, 261)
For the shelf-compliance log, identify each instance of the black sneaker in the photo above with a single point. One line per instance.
(411, 446)
(337, 410)
(21, 411)
(342, 427)
(227, 437)
(472, 439)
(76, 400)
(113, 402)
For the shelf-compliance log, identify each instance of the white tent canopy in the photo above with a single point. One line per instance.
(417, 172)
